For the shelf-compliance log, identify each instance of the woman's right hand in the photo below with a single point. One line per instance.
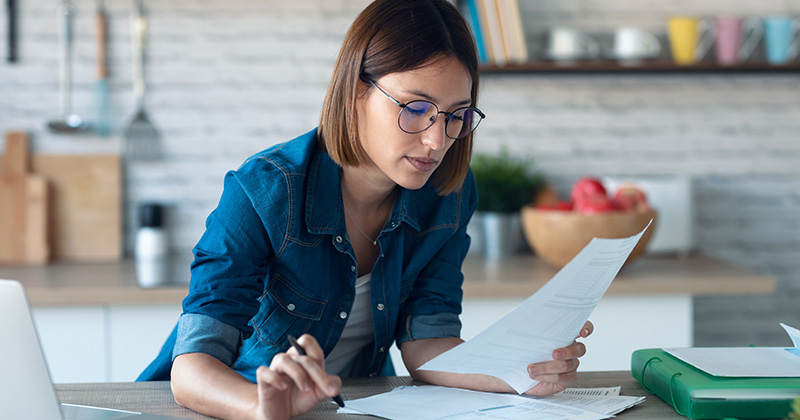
(294, 384)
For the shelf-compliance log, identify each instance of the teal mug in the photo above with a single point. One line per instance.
(782, 38)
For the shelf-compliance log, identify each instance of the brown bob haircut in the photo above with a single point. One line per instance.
(392, 36)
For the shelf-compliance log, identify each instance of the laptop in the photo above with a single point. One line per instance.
(26, 390)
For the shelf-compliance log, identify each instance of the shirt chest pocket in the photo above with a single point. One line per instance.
(285, 309)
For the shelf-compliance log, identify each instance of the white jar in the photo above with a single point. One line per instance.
(152, 247)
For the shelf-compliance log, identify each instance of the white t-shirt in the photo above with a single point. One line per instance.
(358, 331)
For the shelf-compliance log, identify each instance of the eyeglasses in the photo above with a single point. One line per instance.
(417, 116)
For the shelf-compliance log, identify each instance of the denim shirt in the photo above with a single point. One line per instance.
(276, 259)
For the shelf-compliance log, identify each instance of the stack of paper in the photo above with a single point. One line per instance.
(435, 403)
(599, 400)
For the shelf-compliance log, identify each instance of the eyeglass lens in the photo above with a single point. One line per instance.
(417, 116)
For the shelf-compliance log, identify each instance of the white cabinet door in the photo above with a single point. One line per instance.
(136, 335)
(74, 342)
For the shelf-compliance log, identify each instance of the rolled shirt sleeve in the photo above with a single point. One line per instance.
(199, 333)
(438, 325)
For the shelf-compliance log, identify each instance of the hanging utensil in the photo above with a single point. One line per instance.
(101, 116)
(68, 122)
(11, 14)
(142, 141)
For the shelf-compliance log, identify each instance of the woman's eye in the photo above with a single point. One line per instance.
(418, 109)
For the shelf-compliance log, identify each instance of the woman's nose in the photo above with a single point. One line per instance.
(434, 137)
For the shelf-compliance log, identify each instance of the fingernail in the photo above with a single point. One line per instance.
(331, 389)
(558, 355)
(585, 331)
(531, 370)
(306, 387)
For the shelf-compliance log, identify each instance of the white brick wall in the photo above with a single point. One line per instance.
(229, 78)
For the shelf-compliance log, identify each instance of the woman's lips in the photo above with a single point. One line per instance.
(422, 164)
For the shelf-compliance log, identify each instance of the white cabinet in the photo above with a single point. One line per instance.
(74, 342)
(102, 343)
(136, 334)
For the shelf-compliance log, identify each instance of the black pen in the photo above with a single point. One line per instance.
(302, 352)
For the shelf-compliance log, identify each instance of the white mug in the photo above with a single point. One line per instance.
(570, 43)
(635, 43)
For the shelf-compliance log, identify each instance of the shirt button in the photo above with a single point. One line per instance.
(338, 239)
(373, 374)
(353, 268)
(380, 306)
(290, 306)
(382, 349)
(343, 314)
(394, 224)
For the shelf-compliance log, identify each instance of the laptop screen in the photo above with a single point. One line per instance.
(26, 391)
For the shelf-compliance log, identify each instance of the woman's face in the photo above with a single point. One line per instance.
(395, 156)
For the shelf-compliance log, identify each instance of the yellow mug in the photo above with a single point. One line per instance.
(690, 38)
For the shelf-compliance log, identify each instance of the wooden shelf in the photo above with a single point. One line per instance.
(647, 66)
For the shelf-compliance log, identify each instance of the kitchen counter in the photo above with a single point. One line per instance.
(65, 284)
(696, 275)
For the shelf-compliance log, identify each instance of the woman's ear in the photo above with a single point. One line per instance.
(362, 88)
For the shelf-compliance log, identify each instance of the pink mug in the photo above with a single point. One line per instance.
(736, 38)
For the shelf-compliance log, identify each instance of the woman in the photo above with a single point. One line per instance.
(350, 236)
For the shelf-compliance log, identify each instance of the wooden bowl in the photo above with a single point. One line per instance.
(557, 236)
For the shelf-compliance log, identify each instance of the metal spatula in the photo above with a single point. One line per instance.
(142, 141)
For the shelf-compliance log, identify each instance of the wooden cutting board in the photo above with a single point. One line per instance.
(85, 212)
(24, 207)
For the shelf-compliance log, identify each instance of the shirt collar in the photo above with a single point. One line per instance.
(324, 212)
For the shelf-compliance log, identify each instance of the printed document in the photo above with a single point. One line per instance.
(440, 403)
(551, 318)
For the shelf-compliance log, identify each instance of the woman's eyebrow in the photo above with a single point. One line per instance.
(432, 99)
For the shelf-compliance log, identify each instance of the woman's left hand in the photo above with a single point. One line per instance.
(561, 372)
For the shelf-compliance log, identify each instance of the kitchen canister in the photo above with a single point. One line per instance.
(152, 246)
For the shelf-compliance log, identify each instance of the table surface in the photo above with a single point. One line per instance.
(156, 397)
(61, 284)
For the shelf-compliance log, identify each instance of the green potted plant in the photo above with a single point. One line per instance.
(505, 184)
(795, 413)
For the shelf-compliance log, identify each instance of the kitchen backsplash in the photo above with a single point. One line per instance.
(229, 78)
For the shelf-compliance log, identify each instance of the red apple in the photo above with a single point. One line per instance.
(594, 204)
(585, 188)
(630, 198)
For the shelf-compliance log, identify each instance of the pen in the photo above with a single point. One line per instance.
(302, 352)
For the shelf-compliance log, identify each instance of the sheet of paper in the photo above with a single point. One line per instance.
(604, 404)
(551, 318)
(756, 362)
(794, 334)
(437, 403)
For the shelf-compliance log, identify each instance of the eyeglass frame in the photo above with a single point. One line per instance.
(448, 115)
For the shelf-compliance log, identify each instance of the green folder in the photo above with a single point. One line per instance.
(698, 395)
